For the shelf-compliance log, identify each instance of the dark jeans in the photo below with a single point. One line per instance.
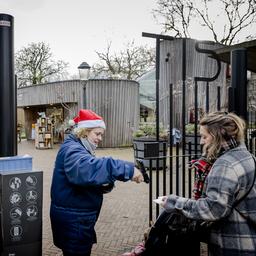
(75, 254)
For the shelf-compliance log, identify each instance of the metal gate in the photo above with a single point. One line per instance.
(181, 103)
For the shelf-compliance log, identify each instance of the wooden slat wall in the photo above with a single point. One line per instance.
(117, 101)
(252, 98)
(51, 93)
(197, 64)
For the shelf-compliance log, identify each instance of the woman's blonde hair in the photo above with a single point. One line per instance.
(82, 132)
(222, 126)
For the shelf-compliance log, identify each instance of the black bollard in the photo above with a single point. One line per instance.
(238, 93)
(8, 100)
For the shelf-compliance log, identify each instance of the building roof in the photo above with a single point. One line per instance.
(250, 46)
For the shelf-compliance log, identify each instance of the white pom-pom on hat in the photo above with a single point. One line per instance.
(71, 122)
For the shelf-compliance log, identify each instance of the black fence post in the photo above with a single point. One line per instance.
(8, 103)
(158, 40)
(238, 95)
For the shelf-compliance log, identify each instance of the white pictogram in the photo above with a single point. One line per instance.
(15, 213)
(32, 211)
(15, 183)
(31, 196)
(15, 198)
(31, 180)
(16, 231)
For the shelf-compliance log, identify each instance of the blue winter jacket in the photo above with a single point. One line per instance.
(76, 194)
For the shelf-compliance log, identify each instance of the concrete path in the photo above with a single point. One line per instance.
(124, 215)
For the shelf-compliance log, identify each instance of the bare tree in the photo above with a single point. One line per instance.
(130, 63)
(34, 65)
(179, 17)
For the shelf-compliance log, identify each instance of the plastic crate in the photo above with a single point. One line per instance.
(13, 163)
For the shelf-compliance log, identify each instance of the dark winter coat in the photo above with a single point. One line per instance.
(76, 193)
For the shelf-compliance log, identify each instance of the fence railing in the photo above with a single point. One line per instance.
(171, 173)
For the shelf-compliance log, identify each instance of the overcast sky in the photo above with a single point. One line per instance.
(76, 29)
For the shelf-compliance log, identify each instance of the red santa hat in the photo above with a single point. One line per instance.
(88, 119)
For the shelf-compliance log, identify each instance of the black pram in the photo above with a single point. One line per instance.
(164, 240)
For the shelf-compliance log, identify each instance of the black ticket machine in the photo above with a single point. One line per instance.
(21, 193)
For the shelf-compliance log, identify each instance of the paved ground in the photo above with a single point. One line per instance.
(124, 215)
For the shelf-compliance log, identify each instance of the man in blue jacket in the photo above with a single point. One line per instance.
(79, 181)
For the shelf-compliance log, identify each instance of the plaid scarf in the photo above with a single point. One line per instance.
(202, 167)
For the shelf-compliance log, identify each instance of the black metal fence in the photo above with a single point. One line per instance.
(170, 173)
(167, 175)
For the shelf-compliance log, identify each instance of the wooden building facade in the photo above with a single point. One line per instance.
(196, 65)
(117, 101)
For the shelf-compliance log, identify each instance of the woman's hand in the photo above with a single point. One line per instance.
(137, 176)
(161, 200)
(164, 200)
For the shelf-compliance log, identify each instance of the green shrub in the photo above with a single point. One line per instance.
(149, 130)
(190, 128)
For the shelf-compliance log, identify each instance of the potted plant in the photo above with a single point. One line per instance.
(148, 130)
(146, 146)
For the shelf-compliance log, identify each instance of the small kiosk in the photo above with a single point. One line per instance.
(43, 133)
